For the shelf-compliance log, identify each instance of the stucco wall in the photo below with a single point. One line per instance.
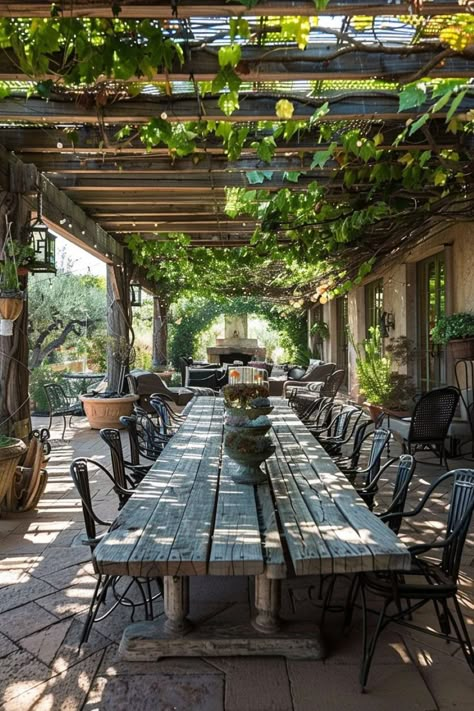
(399, 279)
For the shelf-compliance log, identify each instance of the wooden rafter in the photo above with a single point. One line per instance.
(368, 106)
(46, 145)
(316, 63)
(216, 8)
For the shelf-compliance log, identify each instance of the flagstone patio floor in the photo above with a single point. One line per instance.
(46, 580)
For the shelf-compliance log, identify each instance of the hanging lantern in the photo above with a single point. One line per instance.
(42, 242)
(135, 294)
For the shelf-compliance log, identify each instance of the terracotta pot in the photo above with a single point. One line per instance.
(374, 410)
(462, 348)
(9, 458)
(106, 412)
(10, 307)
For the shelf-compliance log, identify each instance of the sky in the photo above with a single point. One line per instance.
(80, 261)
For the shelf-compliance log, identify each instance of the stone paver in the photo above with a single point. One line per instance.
(46, 581)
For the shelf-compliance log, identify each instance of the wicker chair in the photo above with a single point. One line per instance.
(428, 427)
(315, 373)
(427, 580)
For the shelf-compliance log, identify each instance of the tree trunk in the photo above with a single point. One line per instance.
(119, 325)
(14, 373)
(160, 332)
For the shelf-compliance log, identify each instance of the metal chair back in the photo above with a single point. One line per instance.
(348, 414)
(459, 519)
(151, 439)
(432, 416)
(80, 476)
(130, 422)
(56, 396)
(406, 467)
(379, 442)
(359, 436)
(112, 439)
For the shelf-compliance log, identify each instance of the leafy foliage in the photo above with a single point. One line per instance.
(455, 326)
(60, 310)
(377, 381)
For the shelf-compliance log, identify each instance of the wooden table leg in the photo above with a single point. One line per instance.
(267, 604)
(176, 603)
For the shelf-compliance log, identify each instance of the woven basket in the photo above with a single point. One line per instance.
(9, 458)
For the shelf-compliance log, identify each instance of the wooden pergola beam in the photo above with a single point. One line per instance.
(260, 64)
(376, 106)
(44, 145)
(195, 183)
(157, 166)
(163, 9)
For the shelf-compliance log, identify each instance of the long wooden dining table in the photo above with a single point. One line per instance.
(189, 518)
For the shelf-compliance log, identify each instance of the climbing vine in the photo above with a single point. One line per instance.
(369, 189)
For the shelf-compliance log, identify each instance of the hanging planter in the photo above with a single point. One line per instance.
(11, 296)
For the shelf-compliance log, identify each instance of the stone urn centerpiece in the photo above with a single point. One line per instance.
(246, 427)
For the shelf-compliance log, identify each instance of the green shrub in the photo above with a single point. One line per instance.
(449, 328)
(377, 381)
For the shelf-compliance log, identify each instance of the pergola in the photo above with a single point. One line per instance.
(84, 145)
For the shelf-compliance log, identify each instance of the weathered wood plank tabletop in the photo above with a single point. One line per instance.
(188, 517)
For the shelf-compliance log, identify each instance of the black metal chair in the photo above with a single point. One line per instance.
(105, 583)
(61, 405)
(341, 430)
(380, 438)
(428, 580)
(350, 462)
(406, 467)
(429, 424)
(169, 421)
(138, 446)
(393, 515)
(125, 473)
(149, 431)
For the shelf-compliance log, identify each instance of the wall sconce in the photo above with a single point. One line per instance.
(386, 323)
(135, 294)
(42, 242)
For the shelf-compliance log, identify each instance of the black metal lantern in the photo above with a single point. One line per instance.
(42, 242)
(135, 294)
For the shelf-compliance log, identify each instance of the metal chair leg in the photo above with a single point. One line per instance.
(367, 661)
(466, 643)
(350, 602)
(64, 426)
(88, 622)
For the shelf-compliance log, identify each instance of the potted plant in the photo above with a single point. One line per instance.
(11, 450)
(457, 331)
(380, 385)
(11, 295)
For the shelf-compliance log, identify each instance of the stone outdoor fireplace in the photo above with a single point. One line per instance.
(235, 345)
